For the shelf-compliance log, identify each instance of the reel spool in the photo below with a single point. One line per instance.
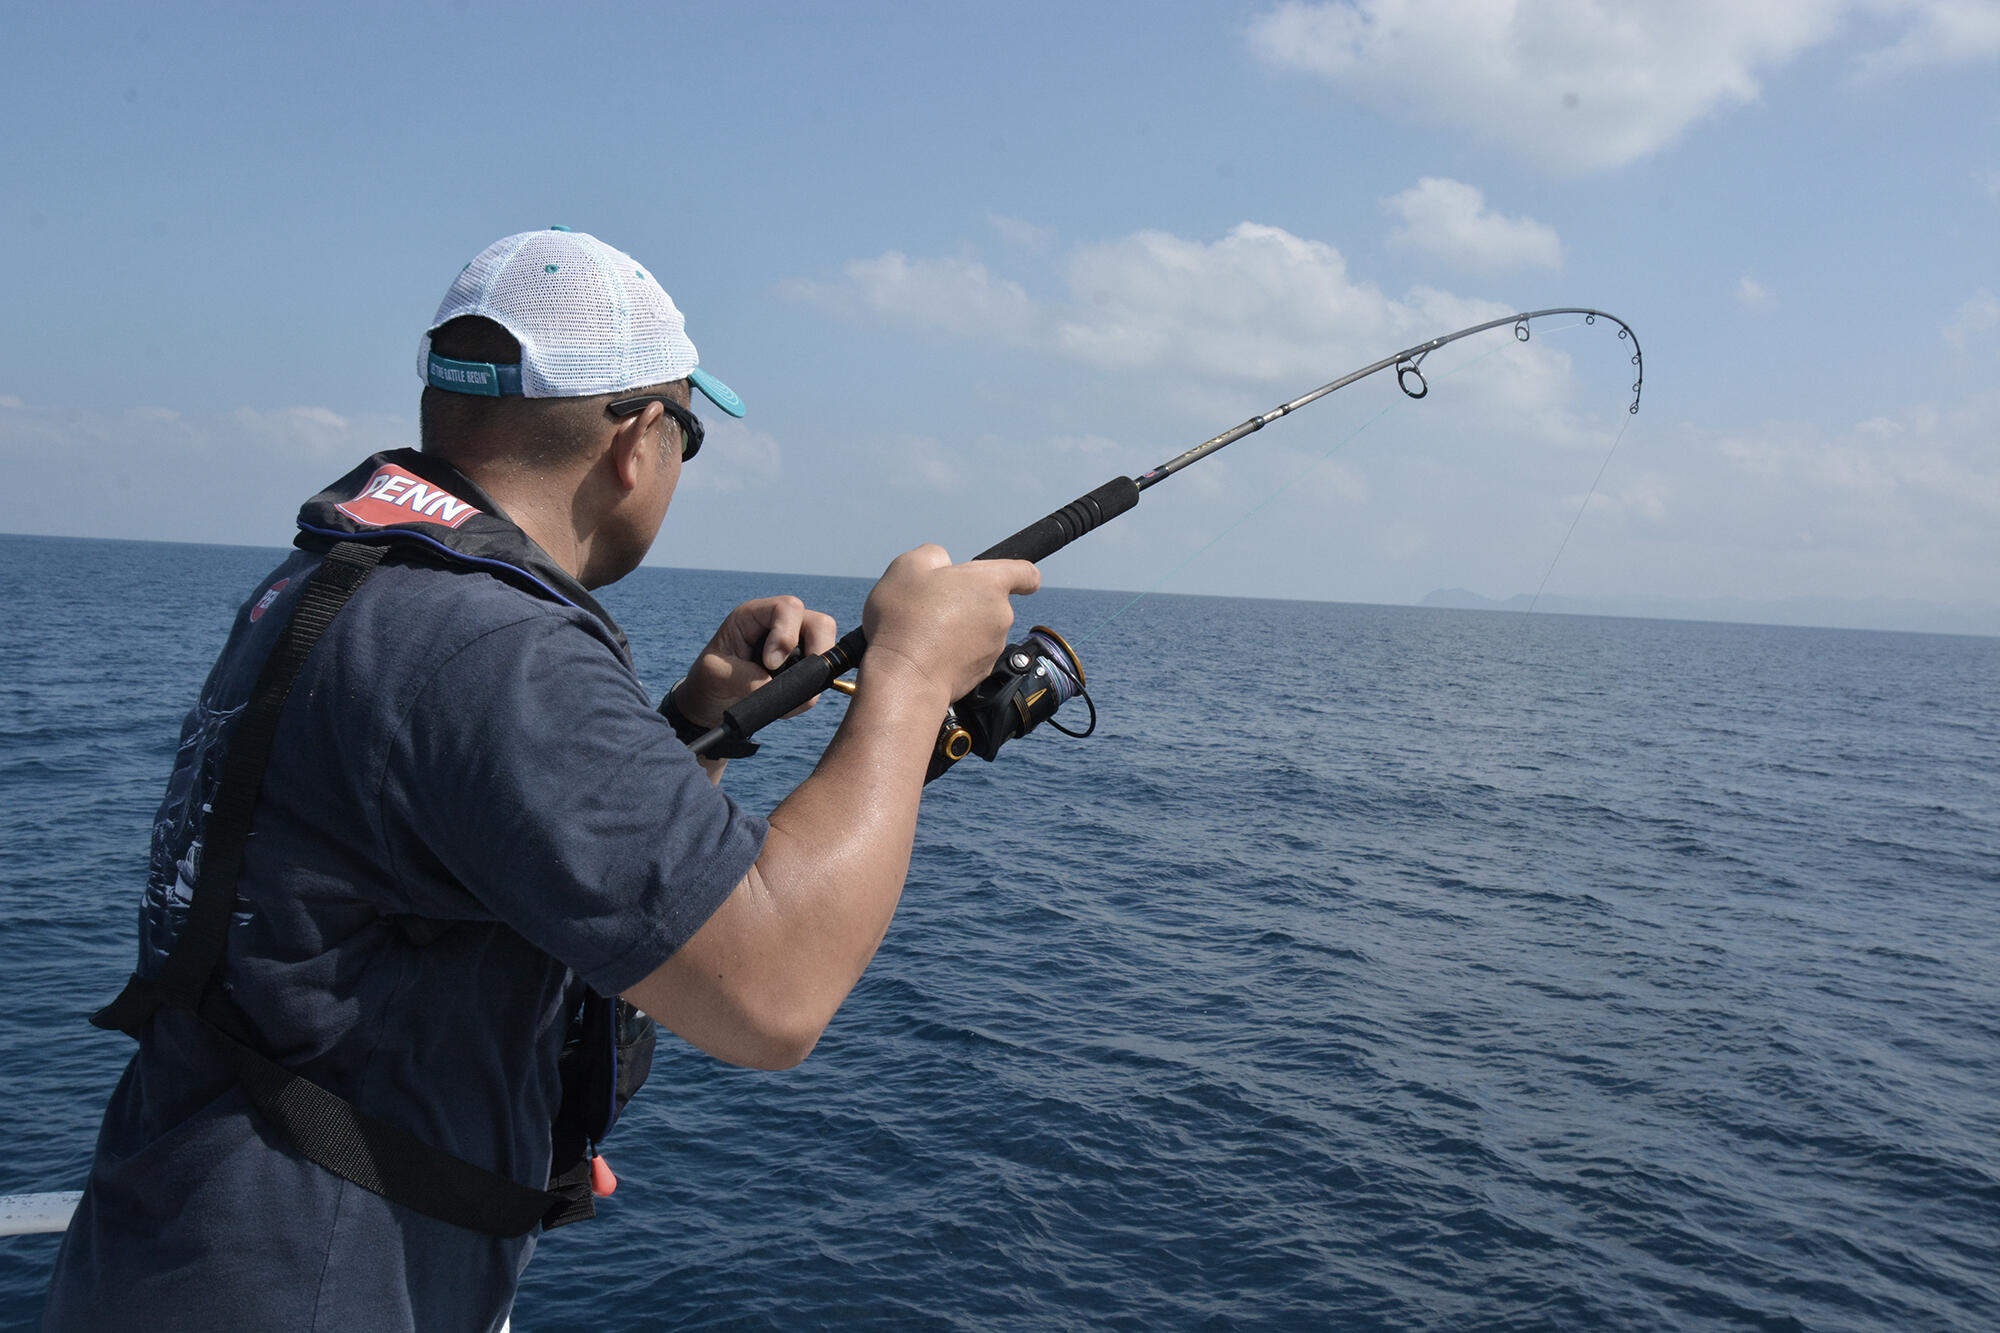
(1029, 683)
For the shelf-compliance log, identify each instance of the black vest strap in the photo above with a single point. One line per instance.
(324, 1128)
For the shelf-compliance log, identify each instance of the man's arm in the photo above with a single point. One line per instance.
(758, 983)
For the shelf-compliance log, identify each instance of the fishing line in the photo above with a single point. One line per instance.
(1056, 663)
(1579, 514)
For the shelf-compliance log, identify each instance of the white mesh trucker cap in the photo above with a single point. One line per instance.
(589, 319)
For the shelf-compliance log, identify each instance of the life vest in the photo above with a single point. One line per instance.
(399, 499)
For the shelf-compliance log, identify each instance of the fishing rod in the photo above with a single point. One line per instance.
(1035, 677)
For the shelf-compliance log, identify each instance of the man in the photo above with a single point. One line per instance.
(469, 812)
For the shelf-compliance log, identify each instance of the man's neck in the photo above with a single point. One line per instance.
(544, 505)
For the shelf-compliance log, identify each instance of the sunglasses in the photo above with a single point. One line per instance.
(689, 423)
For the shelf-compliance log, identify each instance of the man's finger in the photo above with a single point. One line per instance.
(786, 614)
(819, 632)
(1016, 576)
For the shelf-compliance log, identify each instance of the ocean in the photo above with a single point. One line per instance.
(1369, 968)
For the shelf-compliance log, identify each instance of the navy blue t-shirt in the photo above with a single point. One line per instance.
(458, 749)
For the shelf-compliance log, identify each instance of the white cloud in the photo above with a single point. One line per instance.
(240, 476)
(1260, 306)
(9, 400)
(155, 472)
(1754, 295)
(957, 296)
(1026, 235)
(1575, 85)
(1318, 477)
(733, 457)
(1942, 33)
(315, 435)
(1644, 497)
(1900, 506)
(921, 462)
(1586, 85)
(1980, 313)
(1449, 220)
(1088, 446)
(317, 432)
(1926, 471)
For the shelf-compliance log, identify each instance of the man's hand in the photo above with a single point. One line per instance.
(751, 644)
(947, 621)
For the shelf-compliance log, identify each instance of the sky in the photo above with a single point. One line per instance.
(966, 263)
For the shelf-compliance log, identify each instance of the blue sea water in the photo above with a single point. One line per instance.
(1371, 968)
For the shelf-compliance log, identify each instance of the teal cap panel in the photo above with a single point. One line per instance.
(716, 391)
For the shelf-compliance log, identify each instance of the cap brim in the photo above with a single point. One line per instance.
(716, 391)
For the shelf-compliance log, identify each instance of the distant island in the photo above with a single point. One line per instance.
(1883, 613)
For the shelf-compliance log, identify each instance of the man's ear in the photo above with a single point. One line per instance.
(629, 441)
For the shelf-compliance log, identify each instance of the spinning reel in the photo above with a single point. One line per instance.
(1032, 679)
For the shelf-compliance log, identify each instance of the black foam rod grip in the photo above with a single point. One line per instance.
(1047, 536)
(793, 685)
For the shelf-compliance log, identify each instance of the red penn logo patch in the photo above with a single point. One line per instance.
(264, 602)
(394, 496)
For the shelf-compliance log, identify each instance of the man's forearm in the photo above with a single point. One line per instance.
(762, 978)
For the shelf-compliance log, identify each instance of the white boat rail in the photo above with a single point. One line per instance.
(37, 1214)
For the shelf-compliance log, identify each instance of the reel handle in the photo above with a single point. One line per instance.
(806, 677)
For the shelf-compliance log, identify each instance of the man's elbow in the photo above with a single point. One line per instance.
(757, 1036)
(750, 987)
(774, 1048)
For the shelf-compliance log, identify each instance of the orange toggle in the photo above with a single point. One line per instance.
(602, 1182)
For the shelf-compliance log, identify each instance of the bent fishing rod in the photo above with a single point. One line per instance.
(1035, 677)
